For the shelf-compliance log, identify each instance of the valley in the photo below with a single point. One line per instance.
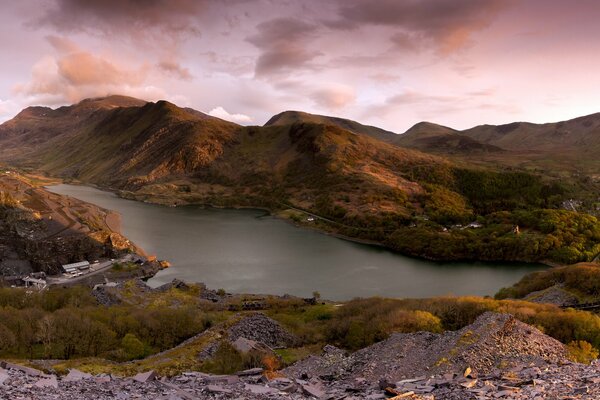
(361, 187)
(209, 195)
(249, 251)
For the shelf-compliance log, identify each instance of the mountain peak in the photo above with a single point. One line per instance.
(112, 101)
(291, 116)
(426, 129)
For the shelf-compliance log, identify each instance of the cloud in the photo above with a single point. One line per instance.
(8, 108)
(446, 24)
(384, 77)
(411, 97)
(62, 44)
(74, 74)
(334, 97)
(80, 69)
(136, 19)
(175, 70)
(220, 112)
(283, 43)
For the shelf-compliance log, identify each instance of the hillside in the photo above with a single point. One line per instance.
(291, 117)
(429, 137)
(358, 186)
(580, 134)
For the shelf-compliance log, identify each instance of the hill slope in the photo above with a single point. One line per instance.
(357, 185)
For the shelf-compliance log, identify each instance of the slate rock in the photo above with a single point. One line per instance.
(75, 375)
(145, 376)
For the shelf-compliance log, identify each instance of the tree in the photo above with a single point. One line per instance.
(133, 346)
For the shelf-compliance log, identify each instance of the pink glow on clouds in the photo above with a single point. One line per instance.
(388, 63)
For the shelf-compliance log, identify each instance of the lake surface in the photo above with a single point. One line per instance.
(247, 251)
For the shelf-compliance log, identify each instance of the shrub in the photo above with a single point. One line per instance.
(582, 351)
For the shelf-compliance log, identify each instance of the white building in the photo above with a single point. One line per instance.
(78, 266)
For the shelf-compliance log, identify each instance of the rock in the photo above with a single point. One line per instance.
(313, 390)
(218, 389)
(250, 372)
(29, 371)
(47, 382)
(469, 384)
(223, 379)
(145, 376)
(258, 389)
(102, 378)
(260, 328)
(174, 284)
(244, 345)
(75, 375)
(553, 295)
(3, 376)
(492, 339)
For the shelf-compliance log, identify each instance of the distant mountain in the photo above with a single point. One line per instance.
(579, 134)
(290, 117)
(430, 137)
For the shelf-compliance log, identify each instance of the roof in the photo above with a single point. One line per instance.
(76, 265)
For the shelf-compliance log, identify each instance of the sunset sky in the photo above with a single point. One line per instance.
(389, 63)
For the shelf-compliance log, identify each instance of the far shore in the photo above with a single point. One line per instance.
(274, 214)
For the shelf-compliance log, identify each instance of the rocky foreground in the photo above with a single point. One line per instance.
(497, 357)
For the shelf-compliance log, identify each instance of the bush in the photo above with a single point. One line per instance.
(582, 352)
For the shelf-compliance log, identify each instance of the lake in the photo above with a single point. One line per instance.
(249, 251)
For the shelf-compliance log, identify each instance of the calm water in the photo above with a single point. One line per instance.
(250, 252)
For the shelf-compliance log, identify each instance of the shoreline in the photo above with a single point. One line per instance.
(274, 214)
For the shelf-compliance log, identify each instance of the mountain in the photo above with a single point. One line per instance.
(290, 117)
(430, 137)
(357, 185)
(114, 139)
(131, 147)
(579, 134)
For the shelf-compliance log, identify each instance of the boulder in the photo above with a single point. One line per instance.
(51, 382)
(250, 372)
(3, 376)
(27, 370)
(218, 389)
(145, 377)
(75, 375)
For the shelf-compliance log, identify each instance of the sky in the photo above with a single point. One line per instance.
(388, 63)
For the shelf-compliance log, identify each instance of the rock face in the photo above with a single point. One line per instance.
(492, 341)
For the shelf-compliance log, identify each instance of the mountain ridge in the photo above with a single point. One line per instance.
(366, 188)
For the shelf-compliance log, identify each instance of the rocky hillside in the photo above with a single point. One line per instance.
(40, 230)
(495, 357)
